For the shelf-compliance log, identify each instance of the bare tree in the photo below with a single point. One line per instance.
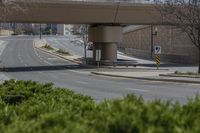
(84, 35)
(185, 14)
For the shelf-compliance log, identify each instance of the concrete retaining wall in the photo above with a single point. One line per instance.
(176, 46)
(5, 32)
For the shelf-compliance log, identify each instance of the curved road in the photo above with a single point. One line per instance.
(23, 62)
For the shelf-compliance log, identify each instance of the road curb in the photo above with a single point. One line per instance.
(137, 68)
(185, 76)
(60, 56)
(150, 79)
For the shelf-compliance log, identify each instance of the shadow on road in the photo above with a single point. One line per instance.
(41, 68)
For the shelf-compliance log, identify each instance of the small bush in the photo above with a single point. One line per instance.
(29, 107)
(177, 72)
(61, 51)
(47, 46)
(192, 73)
(187, 73)
(13, 99)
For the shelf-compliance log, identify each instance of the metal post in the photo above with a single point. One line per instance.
(85, 53)
(40, 32)
(98, 58)
(98, 65)
(14, 28)
(151, 41)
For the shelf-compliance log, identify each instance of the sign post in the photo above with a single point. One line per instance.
(157, 52)
(98, 57)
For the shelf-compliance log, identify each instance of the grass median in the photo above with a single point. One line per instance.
(48, 47)
(30, 107)
(62, 52)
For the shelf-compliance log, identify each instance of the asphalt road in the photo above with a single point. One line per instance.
(23, 62)
(73, 45)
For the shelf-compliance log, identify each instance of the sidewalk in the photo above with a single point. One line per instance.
(145, 74)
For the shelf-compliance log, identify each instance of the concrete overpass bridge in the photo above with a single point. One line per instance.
(106, 18)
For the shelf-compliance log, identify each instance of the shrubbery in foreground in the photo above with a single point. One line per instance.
(30, 107)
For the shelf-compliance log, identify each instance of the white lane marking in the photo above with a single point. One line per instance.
(80, 72)
(21, 60)
(82, 82)
(36, 53)
(140, 90)
(41, 58)
(48, 62)
(2, 46)
(51, 58)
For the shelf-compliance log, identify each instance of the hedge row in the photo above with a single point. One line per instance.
(30, 107)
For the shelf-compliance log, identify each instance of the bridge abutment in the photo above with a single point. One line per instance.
(105, 38)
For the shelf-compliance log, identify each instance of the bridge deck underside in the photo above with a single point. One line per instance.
(85, 12)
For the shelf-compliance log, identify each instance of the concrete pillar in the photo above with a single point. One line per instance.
(106, 39)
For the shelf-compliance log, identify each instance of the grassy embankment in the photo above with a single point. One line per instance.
(187, 73)
(59, 51)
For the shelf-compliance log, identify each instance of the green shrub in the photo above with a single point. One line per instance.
(29, 107)
(187, 73)
(177, 72)
(61, 51)
(47, 46)
(192, 73)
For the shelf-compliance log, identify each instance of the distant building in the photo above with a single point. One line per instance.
(64, 29)
(52, 27)
(6, 26)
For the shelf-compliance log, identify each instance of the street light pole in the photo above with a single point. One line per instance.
(152, 39)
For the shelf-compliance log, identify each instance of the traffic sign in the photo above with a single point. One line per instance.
(157, 50)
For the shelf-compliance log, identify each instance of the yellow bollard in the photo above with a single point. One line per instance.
(157, 59)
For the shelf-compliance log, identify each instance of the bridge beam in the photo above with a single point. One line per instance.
(105, 38)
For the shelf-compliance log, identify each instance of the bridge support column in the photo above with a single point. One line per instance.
(106, 38)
